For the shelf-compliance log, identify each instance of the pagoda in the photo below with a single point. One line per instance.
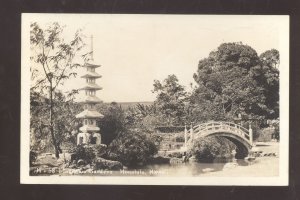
(90, 133)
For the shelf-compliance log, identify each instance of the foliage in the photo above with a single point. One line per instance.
(269, 80)
(52, 62)
(112, 123)
(84, 152)
(99, 149)
(170, 100)
(32, 157)
(143, 117)
(256, 127)
(208, 148)
(65, 124)
(276, 132)
(132, 149)
(234, 80)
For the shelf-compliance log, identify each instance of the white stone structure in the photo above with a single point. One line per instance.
(90, 133)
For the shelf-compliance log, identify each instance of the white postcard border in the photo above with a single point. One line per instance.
(281, 180)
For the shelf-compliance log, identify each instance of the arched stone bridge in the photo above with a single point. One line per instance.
(239, 135)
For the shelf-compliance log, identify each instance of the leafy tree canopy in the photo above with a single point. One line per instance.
(170, 99)
(52, 62)
(235, 81)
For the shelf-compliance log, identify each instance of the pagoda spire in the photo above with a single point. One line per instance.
(92, 49)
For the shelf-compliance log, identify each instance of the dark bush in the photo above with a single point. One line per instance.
(84, 152)
(32, 157)
(132, 149)
(276, 134)
(208, 148)
(99, 149)
(159, 160)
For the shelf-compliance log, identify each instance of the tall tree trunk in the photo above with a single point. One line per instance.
(51, 123)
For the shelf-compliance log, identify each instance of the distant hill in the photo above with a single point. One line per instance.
(125, 105)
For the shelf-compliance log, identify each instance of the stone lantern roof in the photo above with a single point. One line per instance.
(88, 114)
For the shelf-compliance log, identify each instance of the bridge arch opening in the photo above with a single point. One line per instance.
(242, 147)
(242, 151)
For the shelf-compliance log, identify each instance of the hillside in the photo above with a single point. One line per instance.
(125, 105)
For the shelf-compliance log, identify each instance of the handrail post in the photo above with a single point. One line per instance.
(192, 132)
(250, 134)
(185, 136)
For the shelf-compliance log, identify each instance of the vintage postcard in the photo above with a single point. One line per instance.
(155, 99)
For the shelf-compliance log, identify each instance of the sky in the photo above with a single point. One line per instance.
(134, 50)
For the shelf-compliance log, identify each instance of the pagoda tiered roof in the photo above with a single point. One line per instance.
(90, 74)
(87, 128)
(91, 64)
(91, 99)
(91, 86)
(87, 114)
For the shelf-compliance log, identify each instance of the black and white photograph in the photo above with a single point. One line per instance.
(140, 99)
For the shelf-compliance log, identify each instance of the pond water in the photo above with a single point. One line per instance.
(172, 170)
(189, 169)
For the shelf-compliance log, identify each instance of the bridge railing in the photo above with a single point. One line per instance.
(205, 128)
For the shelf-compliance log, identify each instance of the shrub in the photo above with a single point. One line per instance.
(99, 149)
(276, 134)
(84, 152)
(33, 157)
(132, 149)
(208, 148)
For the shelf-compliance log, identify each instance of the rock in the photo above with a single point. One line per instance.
(208, 170)
(192, 159)
(176, 160)
(102, 163)
(80, 162)
(249, 158)
(47, 161)
(229, 166)
(89, 171)
(72, 166)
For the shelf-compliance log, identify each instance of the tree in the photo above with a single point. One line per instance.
(65, 124)
(269, 80)
(170, 100)
(231, 82)
(113, 122)
(143, 117)
(52, 63)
